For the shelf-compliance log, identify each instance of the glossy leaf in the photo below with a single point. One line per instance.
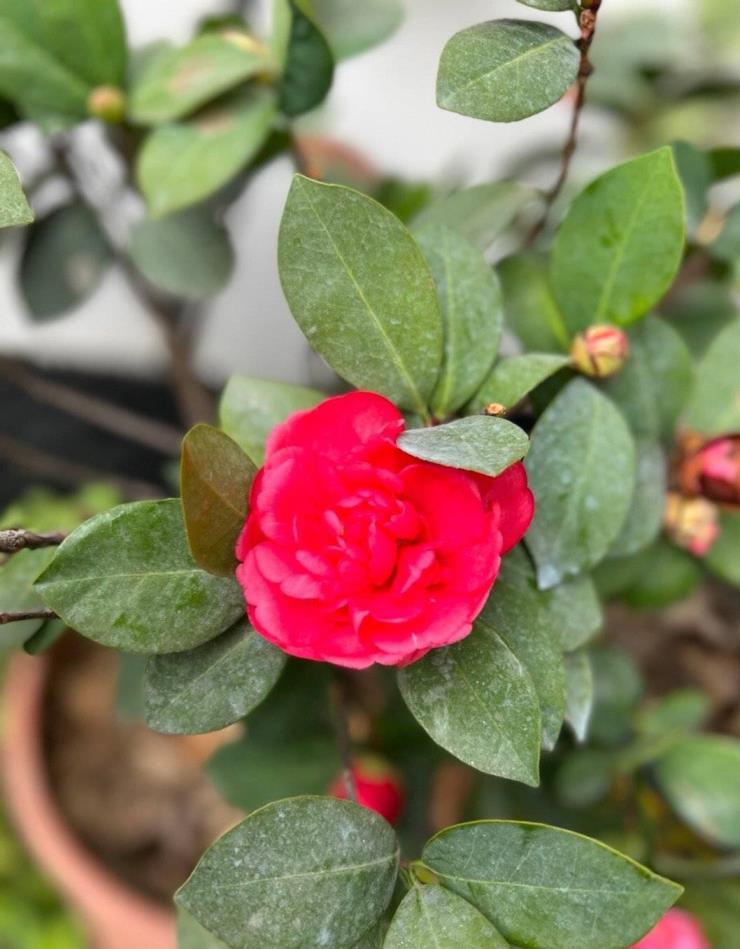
(208, 688)
(480, 214)
(700, 777)
(714, 408)
(188, 254)
(182, 163)
(514, 378)
(645, 516)
(518, 612)
(52, 55)
(529, 306)
(575, 611)
(476, 443)
(432, 916)
(309, 64)
(352, 29)
(470, 300)
(17, 576)
(620, 245)
(542, 886)
(250, 408)
(478, 702)
(505, 70)
(126, 579)
(655, 383)
(303, 871)
(14, 209)
(579, 692)
(179, 81)
(581, 467)
(65, 256)
(215, 478)
(360, 289)
(724, 555)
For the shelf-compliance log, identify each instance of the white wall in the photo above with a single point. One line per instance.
(383, 104)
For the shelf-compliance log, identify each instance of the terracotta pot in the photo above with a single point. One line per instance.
(116, 917)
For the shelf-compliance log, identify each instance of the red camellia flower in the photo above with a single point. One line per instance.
(677, 929)
(378, 787)
(354, 552)
(713, 471)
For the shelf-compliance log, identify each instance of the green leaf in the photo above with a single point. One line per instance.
(579, 692)
(700, 777)
(529, 306)
(250, 408)
(125, 579)
(352, 29)
(191, 935)
(575, 611)
(14, 209)
(514, 378)
(181, 163)
(180, 80)
(215, 477)
(620, 245)
(17, 576)
(476, 443)
(584, 777)
(53, 54)
(683, 710)
(645, 515)
(432, 916)
(662, 575)
(518, 613)
(45, 637)
(699, 312)
(554, 5)
(204, 689)
(505, 70)
(130, 688)
(617, 689)
(477, 701)
(300, 872)
(714, 408)
(188, 254)
(654, 384)
(695, 170)
(480, 214)
(717, 904)
(725, 162)
(581, 467)
(65, 256)
(360, 289)
(724, 555)
(542, 886)
(470, 300)
(309, 64)
(726, 247)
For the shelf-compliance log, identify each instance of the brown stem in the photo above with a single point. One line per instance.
(338, 694)
(587, 22)
(11, 541)
(20, 615)
(152, 434)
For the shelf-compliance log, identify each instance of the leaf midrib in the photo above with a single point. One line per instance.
(514, 61)
(348, 868)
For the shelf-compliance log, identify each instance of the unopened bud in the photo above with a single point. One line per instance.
(712, 470)
(378, 785)
(495, 408)
(599, 351)
(691, 523)
(107, 103)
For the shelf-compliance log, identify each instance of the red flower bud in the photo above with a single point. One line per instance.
(599, 351)
(691, 523)
(712, 470)
(379, 787)
(107, 103)
(677, 929)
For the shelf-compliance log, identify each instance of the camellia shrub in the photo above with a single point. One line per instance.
(402, 586)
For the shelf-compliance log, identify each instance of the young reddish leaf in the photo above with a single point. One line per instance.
(215, 476)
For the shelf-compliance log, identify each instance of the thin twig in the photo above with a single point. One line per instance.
(339, 701)
(587, 22)
(11, 541)
(18, 616)
(158, 436)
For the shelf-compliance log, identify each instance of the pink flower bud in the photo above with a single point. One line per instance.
(379, 787)
(677, 929)
(599, 351)
(712, 470)
(107, 103)
(691, 523)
